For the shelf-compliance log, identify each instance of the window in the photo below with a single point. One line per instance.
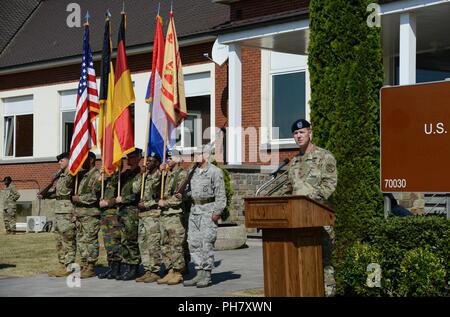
(24, 209)
(284, 96)
(288, 102)
(68, 106)
(18, 127)
(190, 133)
(67, 129)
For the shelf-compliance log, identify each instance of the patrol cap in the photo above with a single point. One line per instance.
(7, 179)
(92, 155)
(300, 124)
(208, 148)
(137, 152)
(64, 155)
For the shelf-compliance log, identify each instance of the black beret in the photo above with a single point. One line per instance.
(155, 156)
(92, 155)
(64, 155)
(300, 124)
(173, 153)
(137, 152)
(7, 179)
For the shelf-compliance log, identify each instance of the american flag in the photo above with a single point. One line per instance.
(86, 111)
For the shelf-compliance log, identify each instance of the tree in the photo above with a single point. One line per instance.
(346, 72)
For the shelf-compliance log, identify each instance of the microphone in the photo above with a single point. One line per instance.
(285, 162)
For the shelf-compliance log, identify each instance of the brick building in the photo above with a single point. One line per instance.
(254, 96)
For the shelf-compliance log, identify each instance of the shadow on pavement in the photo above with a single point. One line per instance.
(218, 278)
(6, 266)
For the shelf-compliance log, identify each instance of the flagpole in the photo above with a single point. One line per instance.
(103, 152)
(119, 182)
(164, 159)
(76, 184)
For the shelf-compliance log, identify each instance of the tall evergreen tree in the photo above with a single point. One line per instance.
(346, 71)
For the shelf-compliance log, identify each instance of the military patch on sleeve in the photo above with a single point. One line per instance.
(330, 168)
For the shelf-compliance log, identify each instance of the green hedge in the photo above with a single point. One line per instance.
(346, 71)
(413, 252)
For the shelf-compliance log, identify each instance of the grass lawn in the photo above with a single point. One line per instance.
(26, 254)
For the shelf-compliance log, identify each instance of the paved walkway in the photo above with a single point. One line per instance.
(236, 270)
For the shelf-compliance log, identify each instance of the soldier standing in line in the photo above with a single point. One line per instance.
(209, 200)
(65, 231)
(9, 205)
(87, 215)
(313, 173)
(172, 229)
(129, 217)
(110, 226)
(149, 221)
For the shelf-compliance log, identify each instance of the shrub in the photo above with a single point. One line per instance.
(414, 251)
(422, 273)
(352, 279)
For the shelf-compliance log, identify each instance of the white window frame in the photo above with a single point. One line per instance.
(266, 139)
(272, 75)
(5, 115)
(192, 70)
(61, 112)
(183, 147)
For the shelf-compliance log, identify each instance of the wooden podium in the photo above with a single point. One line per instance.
(292, 243)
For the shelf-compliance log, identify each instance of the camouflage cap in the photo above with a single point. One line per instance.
(300, 124)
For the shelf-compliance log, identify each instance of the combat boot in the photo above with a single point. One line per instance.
(166, 278)
(88, 271)
(126, 268)
(206, 280)
(130, 274)
(115, 270)
(59, 272)
(107, 272)
(195, 280)
(143, 277)
(176, 278)
(148, 277)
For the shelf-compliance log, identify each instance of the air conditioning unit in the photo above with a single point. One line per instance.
(36, 223)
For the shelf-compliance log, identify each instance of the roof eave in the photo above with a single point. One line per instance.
(70, 60)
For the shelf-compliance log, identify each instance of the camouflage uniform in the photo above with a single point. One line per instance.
(66, 245)
(129, 219)
(149, 236)
(9, 208)
(87, 216)
(172, 229)
(208, 197)
(314, 175)
(110, 222)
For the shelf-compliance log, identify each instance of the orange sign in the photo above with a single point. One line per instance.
(415, 138)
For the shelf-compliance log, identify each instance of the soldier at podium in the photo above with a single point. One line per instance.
(313, 173)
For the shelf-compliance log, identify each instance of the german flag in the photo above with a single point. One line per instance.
(123, 130)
